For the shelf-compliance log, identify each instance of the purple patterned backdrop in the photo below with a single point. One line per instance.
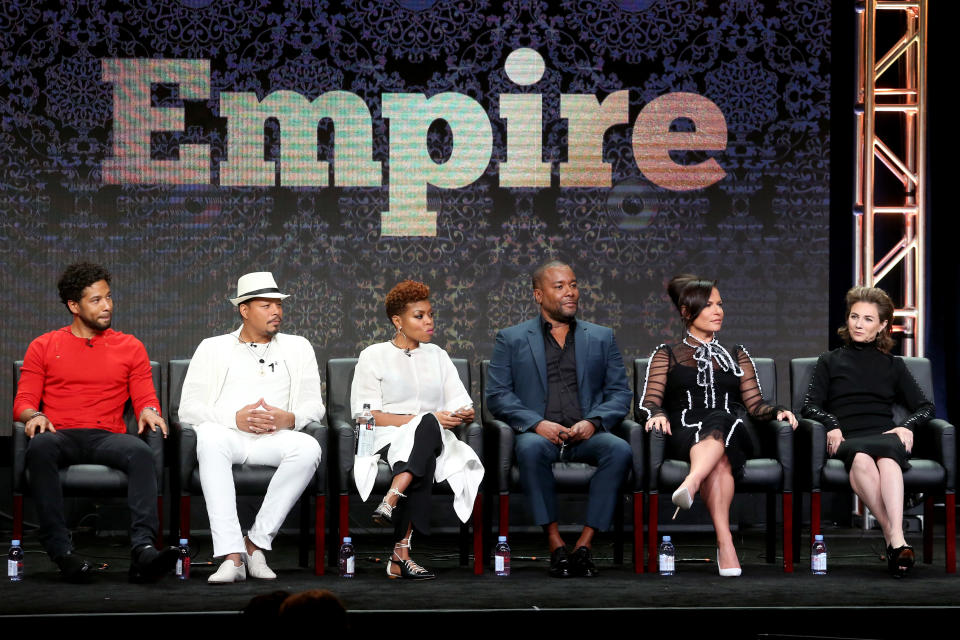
(176, 251)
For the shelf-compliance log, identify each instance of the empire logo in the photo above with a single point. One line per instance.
(410, 115)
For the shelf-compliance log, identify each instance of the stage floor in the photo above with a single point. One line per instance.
(856, 597)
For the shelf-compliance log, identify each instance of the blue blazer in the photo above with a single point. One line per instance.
(516, 390)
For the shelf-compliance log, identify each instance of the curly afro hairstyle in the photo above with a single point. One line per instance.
(78, 277)
(403, 294)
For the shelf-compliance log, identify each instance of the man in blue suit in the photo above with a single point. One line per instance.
(560, 383)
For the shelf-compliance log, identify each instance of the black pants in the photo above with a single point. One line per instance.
(422, 463)
(48, 452)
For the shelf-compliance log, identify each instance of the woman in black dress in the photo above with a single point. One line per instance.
(698, 394)
(852, 392)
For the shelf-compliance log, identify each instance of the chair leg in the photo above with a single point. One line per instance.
(618, 531)
(950, 518)
(344, 529)
(503, 524)
(928, 518)
(638, 532)
(319, 534)
(814, 514)
(787, 532)
(477, 517)
(797, 529)
(18, 517)
(303, 539)
(185, 517)
(771, 527)
(652, 556)
(160, 521)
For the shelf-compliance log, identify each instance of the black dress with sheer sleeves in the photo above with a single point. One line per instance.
(853, 389)
(705, 392)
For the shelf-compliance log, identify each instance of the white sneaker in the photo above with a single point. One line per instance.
(227, 573)
(257, 566)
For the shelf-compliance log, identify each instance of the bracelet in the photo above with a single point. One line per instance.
(38, 413)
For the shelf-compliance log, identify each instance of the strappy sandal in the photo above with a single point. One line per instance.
(409, 569)
(899, 560)
(383, 514)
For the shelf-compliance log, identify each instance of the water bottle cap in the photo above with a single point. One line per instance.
(14, 543)
(347, 539)
(183, 541)
(501, 538)
(818, 537)
(666, 538)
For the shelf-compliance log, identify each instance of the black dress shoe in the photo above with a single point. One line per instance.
(581, 564)
(559, 564)
(74, 570)
(900, 560)
(148, 564)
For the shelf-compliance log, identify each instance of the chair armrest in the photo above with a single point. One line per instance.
(810, 453)
(656, 450)
(472, 434)
(937, 440)
(186, 454)
(344, 447)
(320, 433)
(19, 451)
(776, 441)
(634, 434)
(499, 438)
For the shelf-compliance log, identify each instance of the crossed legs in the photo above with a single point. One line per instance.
(880, 485)
(711, 475)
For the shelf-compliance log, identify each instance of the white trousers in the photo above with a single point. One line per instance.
(296, 456)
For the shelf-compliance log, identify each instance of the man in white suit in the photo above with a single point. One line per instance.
(248, 393)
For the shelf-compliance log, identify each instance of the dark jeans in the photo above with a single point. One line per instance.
(611, 456)
(48, 452)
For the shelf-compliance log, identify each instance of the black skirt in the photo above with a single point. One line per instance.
(726, 427)
(881, 445)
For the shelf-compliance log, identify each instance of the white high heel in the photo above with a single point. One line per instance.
(727, 573)
(682, 498)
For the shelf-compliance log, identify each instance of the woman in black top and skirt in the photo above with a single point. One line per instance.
(852, 393)
(698, 394)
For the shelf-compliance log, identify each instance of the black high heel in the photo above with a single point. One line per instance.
(900, 560)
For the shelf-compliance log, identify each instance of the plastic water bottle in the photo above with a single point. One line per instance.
(818, 556)
(347, 557)
(15, 562)
(365, 432)
(183, 562)
(501, 557)
(668, 557)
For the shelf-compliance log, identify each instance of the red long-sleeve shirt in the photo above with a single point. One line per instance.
(83, 384)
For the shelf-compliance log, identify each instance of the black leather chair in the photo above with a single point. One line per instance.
(339, 380)
(770, 472)
(933, 465)
(570, 477)
(248, 479)
(85, 479)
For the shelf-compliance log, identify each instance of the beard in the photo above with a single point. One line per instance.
(95, 324)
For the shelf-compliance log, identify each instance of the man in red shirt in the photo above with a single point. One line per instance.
(73, 387)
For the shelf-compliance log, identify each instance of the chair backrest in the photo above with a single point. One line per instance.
(485, 415)
(176, 372)
(801, 369)
(128, 415)
(340, 380)
(766, 376)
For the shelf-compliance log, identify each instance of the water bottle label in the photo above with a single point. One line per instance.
(12, 566)
(498, 563)
(819, 562)
(666, 562)
(179, 567)
(350, 564)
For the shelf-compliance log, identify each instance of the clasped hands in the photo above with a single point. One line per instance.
(261, 417)
(451, 419)
(558, 434)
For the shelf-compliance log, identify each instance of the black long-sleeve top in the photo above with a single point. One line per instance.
(854, 388)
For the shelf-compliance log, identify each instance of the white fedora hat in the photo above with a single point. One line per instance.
(257, 285)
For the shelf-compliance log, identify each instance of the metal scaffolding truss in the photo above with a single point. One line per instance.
(891, 92)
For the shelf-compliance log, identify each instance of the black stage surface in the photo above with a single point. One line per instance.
(855, 600)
